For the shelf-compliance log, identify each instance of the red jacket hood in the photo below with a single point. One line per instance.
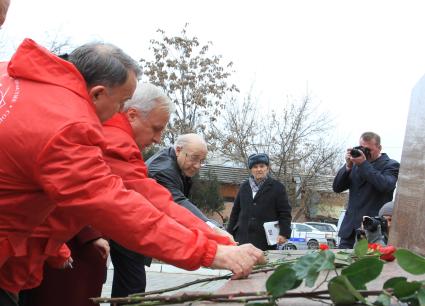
(33, 62)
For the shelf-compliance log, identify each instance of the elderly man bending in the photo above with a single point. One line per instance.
(175, 166)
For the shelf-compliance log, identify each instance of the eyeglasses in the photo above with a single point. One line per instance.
(196, 159)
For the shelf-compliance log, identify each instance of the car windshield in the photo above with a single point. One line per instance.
(322, 227)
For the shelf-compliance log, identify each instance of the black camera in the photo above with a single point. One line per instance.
(355, 152)
(371, 224)
(375, 230)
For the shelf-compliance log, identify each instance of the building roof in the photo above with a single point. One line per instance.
(233, 175)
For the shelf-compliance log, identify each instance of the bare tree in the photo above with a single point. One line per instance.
(295, 136)
(194, 80)
(239, 131)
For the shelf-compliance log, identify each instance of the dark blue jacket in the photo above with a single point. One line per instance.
(371, 185)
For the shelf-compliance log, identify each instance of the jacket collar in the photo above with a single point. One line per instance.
(172, 154)
(120, 121)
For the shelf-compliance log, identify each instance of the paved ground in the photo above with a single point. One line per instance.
(165, 276)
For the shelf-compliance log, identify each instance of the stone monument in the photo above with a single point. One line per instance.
(408, 221)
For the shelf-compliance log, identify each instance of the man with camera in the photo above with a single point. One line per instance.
(371, 177)
(376, 229)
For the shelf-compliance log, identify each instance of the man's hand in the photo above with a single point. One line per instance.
(358, 160)
(68, 263)
(348, 162)
(102, 246)
(224, 233)
(281, 239)
(239, 259)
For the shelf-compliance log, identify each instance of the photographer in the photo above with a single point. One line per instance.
(371, 177)
(376, 229)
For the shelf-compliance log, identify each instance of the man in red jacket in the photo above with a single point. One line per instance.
(142, 123)
(51, 109)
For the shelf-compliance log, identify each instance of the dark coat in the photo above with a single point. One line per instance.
(371, 185)
(163, 167)
(249, 214)
(71, 287)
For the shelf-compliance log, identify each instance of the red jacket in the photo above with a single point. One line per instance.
(124, 158)
(51, 144)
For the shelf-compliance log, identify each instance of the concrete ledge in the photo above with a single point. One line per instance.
(165, 268)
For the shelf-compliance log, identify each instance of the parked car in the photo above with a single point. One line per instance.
(330, 230)
(294, 244)
(313, 236)
(341, 217)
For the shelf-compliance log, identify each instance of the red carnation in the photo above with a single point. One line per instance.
(387, 252)
(323, 247)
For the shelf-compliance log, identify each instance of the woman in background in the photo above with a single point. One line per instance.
(260, 199)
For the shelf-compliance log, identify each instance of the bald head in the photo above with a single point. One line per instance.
(4, 6)
(191, 151)
(191, 139)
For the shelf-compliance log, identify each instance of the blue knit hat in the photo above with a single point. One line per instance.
(261, 158)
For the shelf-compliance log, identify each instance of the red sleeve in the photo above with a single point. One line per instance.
(73, 173)
(59, 260)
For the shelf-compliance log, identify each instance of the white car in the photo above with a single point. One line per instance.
(330, 230)
(313, 236)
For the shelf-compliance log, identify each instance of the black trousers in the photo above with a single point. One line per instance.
(347, 243)
(7, 299)
(129, 271)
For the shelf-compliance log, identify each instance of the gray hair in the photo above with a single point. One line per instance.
(148, 97)
(103, 64)
(185, 139)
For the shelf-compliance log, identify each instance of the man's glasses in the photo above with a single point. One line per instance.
(196, 159)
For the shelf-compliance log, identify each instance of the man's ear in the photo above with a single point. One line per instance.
(131, 114)
(96, 92)
(178, 150)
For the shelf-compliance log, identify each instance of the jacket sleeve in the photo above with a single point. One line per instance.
(283, 211)
(72, 172)
(58, 261)
(133, 172)
(234, 215)
(168, 180)
(341, 180)
(385, 180)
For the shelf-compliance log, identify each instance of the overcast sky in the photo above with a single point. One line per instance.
(359, 59)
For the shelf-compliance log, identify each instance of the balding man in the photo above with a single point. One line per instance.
(175, 166)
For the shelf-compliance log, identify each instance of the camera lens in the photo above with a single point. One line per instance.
(355, 153)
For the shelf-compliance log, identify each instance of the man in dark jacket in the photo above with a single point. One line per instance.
(371, 178)
(174, 168)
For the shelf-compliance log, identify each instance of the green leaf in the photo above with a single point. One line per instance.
(421, 296)
(361, 247)
(363, 271)
(410, 262)
(383, 300)
(283, 279)
(342, 292)
(404, 289)
(390, 283)
(308, 266)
